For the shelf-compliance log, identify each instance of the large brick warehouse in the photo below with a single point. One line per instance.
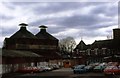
(25, 49)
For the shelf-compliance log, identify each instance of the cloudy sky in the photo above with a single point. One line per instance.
(88, 21)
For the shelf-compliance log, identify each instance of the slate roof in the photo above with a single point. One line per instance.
(18, 53)
(23, 33)
(81, 46)
(101, 44)
(110, 43)
(43, 34)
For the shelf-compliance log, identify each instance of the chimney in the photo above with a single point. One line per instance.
(43, 28)
(23, 26)
(116, 33)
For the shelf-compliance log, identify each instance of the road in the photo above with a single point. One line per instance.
(61, 73)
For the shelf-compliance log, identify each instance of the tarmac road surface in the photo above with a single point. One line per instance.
(60, 73)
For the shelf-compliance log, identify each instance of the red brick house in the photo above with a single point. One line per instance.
(101, 50)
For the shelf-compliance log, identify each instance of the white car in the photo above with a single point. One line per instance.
(45, 68)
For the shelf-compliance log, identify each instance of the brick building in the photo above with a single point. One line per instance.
(24, 48)
(101, 50)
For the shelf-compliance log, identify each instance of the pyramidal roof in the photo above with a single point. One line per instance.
(43, 34)
(23, 32)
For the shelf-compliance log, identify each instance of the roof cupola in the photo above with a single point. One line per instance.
(43, 28)
(23, 32)
(23, 26)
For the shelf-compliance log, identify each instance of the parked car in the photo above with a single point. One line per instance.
(79, 69)
(89, 68)
(45, 68)
(28, 70)
(74, 66)
(112, 70)
(99, 68)
(55, 66)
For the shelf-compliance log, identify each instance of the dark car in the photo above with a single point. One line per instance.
(79, 69)
(89, 68)
(74, 66)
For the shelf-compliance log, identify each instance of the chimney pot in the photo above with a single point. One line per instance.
(116, 33)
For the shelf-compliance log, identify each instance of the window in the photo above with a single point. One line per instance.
(88, 51)
(96, 51)
(104, 50)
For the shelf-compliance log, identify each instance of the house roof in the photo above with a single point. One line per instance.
(23, 32)
(18, 53)
(111, 43)
(43, 34)
(81, 46)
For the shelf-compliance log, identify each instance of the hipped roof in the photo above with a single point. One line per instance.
(43, 34)
(23, 33)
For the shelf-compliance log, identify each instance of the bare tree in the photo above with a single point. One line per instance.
(67, 44)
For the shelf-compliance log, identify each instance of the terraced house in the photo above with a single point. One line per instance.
(100, 51)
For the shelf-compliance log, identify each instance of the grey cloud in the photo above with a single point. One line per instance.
(37, 23)
(9, 5)
(82, 20)
(4, 17)
(89, 23)
(55, 7)
(8, 32)
(54, 30)
(90, 33)
(112, 11)
(99, 9)
(86, 33)
(50, 29)
(23, 3)
(77, 21)
(104, 9)
(119, 7)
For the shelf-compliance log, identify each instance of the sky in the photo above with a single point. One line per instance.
(83, 19)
